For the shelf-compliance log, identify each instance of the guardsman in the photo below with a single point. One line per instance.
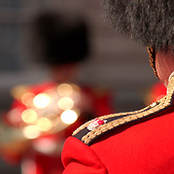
(138, 142)
(53, 109)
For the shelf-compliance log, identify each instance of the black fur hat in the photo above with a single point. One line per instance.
(148, 22)
(60, 38)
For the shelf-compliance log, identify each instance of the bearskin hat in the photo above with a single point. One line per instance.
(148, 22)
(62, 38)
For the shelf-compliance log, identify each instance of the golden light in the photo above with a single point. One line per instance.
(64, 89)
(65, 103)
(51, 116)
(56, 121)
(44, 124)
(52, 93)
(41, 100)
(31, 132)
(75, 87)
(27, 98)
(76, 96)
(18, 91)
(29, 116)
(69, 116)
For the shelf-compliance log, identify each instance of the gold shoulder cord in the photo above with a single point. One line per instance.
(152, 55)
(127, 117)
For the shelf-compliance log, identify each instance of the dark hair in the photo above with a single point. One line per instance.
(62, 38)
(148, 22)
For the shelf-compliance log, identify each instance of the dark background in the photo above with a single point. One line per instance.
(115, 62)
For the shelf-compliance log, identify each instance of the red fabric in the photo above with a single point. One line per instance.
(42, 164)
(144, 148)
(157, 91)
(79, 158)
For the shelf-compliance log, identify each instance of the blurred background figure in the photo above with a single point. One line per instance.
(108, 66)
(43, 115)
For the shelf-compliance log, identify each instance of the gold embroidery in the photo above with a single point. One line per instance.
(128, 116)
(108, 116)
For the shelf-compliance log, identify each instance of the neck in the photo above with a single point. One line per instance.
(165, 66)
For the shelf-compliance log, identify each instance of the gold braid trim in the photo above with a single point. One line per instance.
(108, 116)
(152, 55)
(128, 116)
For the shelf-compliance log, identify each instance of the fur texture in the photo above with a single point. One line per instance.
(148, 22)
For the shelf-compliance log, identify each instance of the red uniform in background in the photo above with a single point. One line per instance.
(157, 91)
(44, 115)
(41, 155)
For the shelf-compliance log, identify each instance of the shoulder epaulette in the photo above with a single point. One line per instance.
(98, 126)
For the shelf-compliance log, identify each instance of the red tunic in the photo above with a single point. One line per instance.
(139, 147)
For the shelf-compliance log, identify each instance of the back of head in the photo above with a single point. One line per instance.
(148, 22)
(62, 38)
